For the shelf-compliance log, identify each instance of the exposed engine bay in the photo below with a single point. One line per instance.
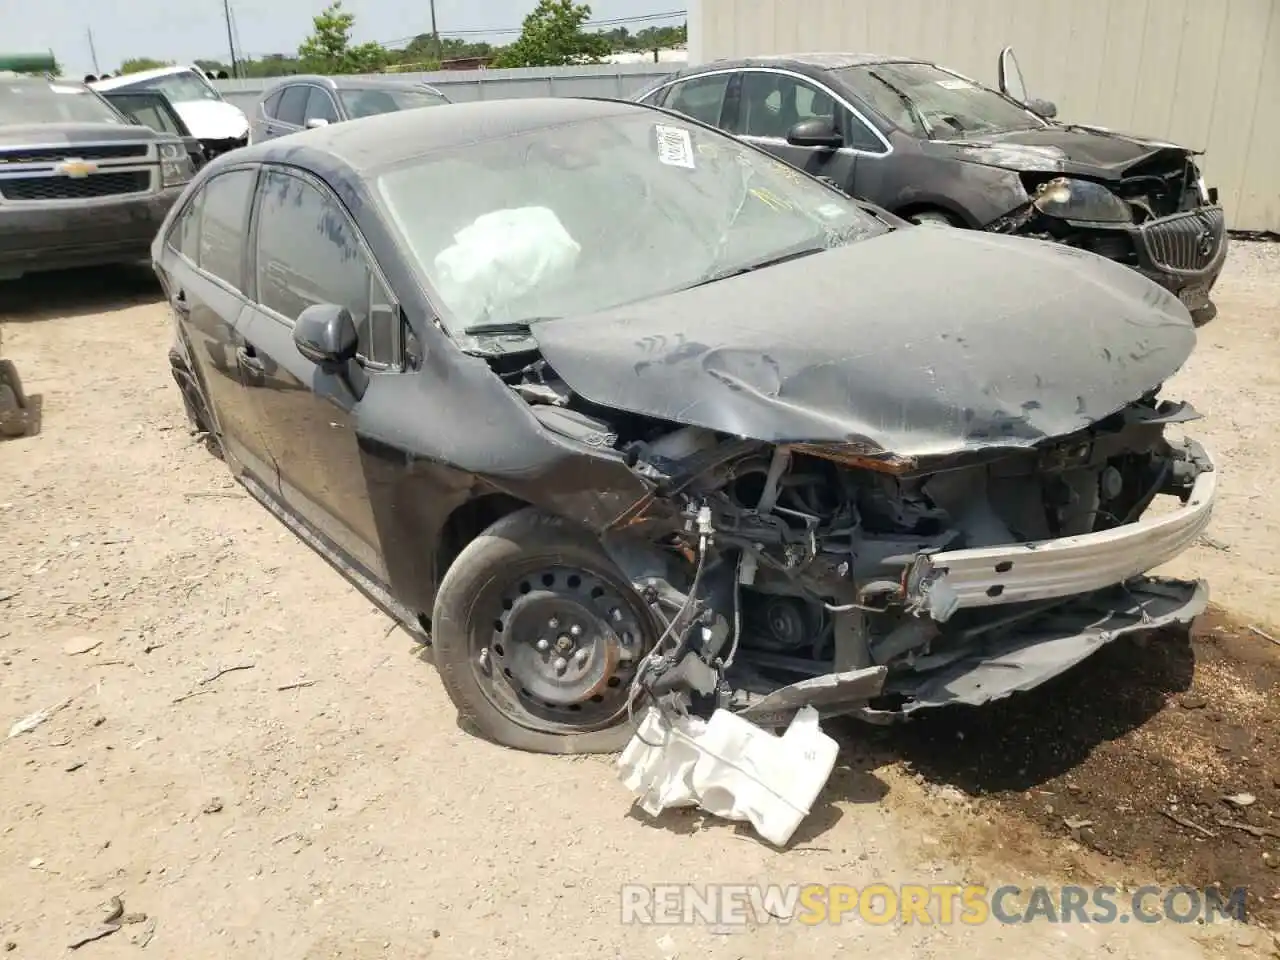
(781, 575)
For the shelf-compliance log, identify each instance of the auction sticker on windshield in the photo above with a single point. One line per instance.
(675, 148)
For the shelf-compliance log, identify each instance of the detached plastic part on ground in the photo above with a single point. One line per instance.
(730, 768)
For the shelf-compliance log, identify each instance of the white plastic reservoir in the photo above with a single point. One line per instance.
(731, 768)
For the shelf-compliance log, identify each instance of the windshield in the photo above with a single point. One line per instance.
(180, 87)
(591, 214)
(935, 103)
(38, 101)
(374, 100)
(143, 109)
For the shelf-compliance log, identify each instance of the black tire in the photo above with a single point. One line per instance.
(474, 597)
(936, 218)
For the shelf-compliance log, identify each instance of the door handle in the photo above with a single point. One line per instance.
(248, 358)
(180, 303)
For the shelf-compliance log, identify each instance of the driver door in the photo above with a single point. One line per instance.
(771, 103)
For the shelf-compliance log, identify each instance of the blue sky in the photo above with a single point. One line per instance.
(188, 29)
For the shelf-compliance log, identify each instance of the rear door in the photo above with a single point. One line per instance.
(206, 278)
(307, 251)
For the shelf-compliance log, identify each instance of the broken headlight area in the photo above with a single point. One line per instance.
(834, 576)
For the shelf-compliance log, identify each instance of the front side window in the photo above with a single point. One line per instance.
(272, 104)
(181, 87)
(28, 100)
(320, 106)
(934, 103)
(308, 253)
(372, 101)
(773, 103)
(701, 98)
(599, 212)
(185, 235)
(224, 222)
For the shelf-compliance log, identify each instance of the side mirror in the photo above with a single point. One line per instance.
(1043, 108)
(317, 122)
(326, 335)
(815, 133)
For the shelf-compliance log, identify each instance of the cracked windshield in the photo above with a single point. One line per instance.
(606, 212)
(936, 103)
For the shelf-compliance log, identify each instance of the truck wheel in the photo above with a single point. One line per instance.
(537, 636)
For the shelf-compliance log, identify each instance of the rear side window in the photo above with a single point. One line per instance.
(224, 222)
(293, 104)
(185, 236)
(309, 253)
(272, 103)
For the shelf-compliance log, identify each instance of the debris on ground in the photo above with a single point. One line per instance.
(78, 645)
(731, 768)
(1180, 785)
(213, 806)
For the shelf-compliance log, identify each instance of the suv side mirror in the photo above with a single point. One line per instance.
(1043, 108)
(316, 122)
(326, 335)
(815, 132)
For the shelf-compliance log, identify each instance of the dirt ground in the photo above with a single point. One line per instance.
(240, 747)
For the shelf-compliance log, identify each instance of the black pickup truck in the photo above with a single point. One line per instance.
(79, 184)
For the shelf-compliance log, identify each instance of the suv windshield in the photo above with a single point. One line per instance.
(932, 102)
(595, 213)
(39, 101)
(374, 100)
(179, 87)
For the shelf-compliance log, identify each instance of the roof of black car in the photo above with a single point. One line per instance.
(342, 82)
(818, 61)
(378, 142)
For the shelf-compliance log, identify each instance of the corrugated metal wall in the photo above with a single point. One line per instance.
(1205, 73)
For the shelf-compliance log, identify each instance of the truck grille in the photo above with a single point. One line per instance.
(71, 188)
(1186, 242)
(105, 151)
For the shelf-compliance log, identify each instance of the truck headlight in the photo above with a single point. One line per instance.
(176, 167)
(1082, 200)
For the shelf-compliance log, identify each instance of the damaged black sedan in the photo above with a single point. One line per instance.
(936, 147)
(619, 410)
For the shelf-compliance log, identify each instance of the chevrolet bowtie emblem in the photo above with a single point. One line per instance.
(76, 168)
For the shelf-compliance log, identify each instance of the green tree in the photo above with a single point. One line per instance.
(552, 36)
(138, 64)
(329, 49)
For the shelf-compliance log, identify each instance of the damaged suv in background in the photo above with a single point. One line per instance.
(936, 147)
(621, 411)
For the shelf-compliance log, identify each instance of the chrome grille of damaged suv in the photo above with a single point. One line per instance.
(45, 187)
(1186, 242)
(104, 151)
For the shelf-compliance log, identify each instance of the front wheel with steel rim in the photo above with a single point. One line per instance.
(538, 635)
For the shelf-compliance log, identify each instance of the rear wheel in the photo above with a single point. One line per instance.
(537, 636)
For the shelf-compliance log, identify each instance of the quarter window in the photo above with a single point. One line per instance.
(293, 105)
(309, 253)
(701, 98)
(185, 236)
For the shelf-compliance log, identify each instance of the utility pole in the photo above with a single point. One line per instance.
(435, 34)
(93, 53)
(231, 46)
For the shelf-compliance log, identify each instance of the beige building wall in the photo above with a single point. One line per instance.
(1205, 73)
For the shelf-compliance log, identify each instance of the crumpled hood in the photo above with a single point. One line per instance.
(62, 134)
(1088, 151)
(213, 119)
(919, 342)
